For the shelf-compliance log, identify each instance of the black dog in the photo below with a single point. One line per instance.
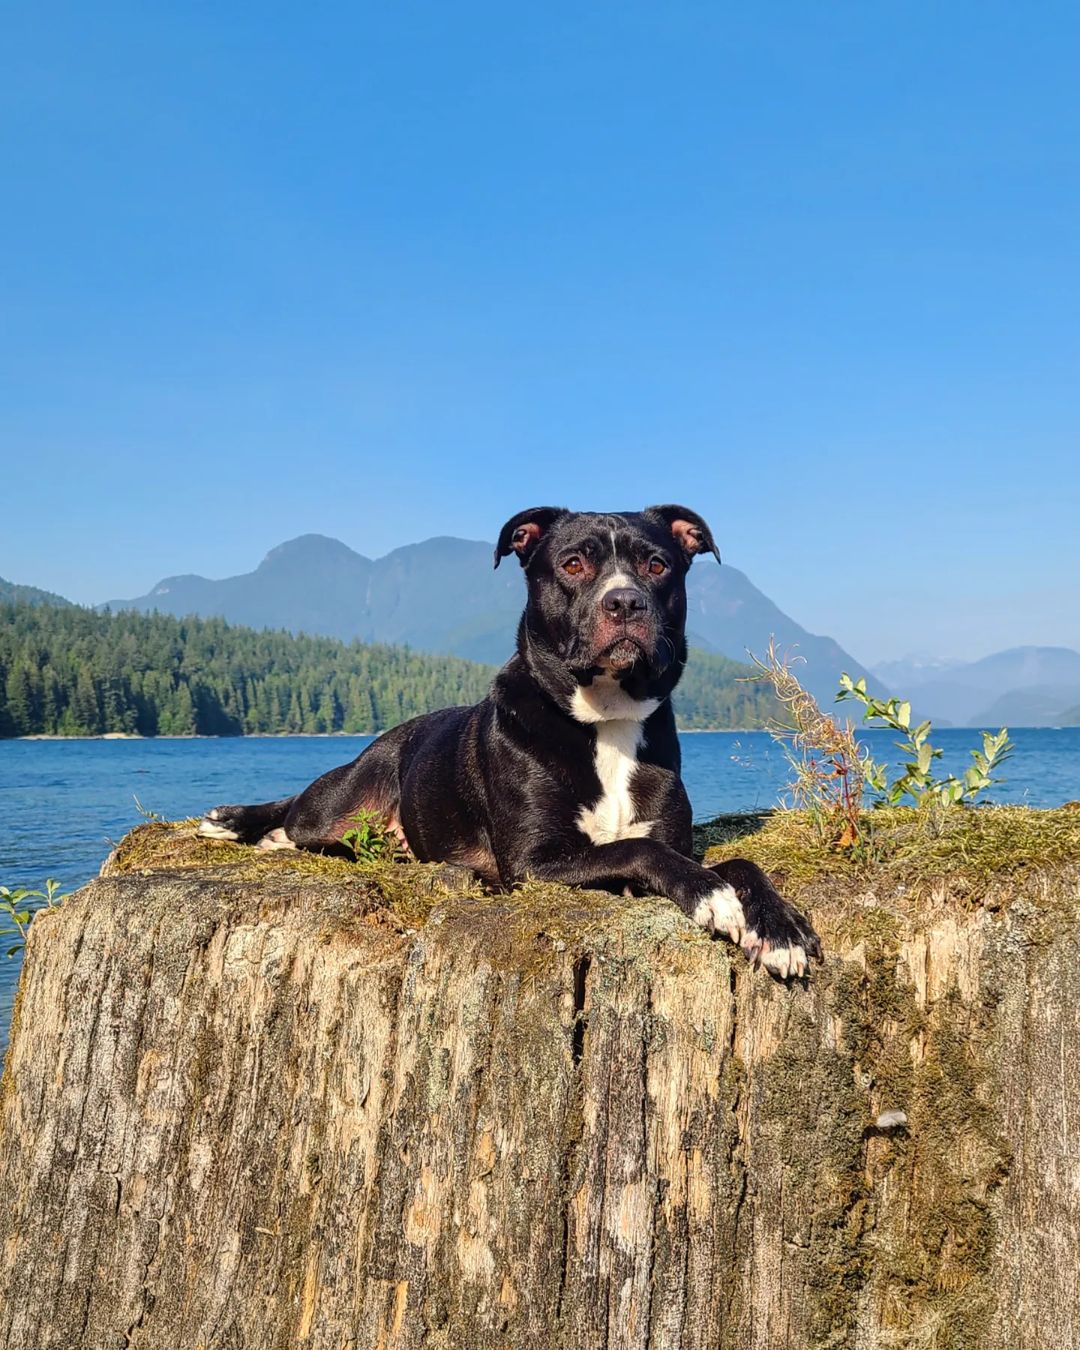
(569, 769)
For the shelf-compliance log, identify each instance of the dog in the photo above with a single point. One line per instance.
(568, 770)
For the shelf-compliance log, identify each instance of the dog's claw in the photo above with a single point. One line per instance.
(789, 961)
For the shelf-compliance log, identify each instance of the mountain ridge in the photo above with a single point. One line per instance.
(1026, 685)
(15, 593)
(443, 595)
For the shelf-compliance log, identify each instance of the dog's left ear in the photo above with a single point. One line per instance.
(523, 532)
(687, 528)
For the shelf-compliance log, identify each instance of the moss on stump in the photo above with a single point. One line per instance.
(260, 1100)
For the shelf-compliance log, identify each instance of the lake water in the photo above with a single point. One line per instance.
(63, 803)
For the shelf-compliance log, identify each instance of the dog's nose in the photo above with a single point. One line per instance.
(623, 602)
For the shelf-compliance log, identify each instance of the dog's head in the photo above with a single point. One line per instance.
(607, 592)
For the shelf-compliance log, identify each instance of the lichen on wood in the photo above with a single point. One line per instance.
(271, 1099)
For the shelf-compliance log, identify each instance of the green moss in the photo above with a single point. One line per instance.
(963, 845)
(161, 846)
(818, 1102)
(821, 1102)
(408, 889)
(906, 848)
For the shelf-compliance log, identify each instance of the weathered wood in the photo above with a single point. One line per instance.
(260, 1103)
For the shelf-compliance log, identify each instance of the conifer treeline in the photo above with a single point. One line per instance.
(718, 694)
(74, 672)
(70, 671)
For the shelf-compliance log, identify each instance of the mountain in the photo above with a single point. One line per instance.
(442, 595)
(912, 672)
(12, 593)
(1023, 686)
(308, 584)
(727, 614)
(1040, 706)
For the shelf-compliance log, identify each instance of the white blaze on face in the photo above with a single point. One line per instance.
(618, 720)
(616, 582)
(618, 579)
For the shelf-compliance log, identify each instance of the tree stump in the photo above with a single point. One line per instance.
(274, 1100)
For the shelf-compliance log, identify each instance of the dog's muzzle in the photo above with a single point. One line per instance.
(623, 655)
(621, 643)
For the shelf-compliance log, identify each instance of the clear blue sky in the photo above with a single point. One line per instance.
(390, 270)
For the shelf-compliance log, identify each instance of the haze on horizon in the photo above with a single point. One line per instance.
(383, 273)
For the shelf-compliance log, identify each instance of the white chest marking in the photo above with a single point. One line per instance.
(612, 817)
(618, 720)
(605, 700)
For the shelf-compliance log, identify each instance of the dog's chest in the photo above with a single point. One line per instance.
(615, 762)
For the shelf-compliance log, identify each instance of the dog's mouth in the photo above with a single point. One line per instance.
(622, 655)
(618, 649)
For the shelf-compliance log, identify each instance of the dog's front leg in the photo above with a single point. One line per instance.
(736, 900)
(648, 868)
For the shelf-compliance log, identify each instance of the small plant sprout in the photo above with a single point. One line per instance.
(834, 774)
(146, 813)
(830, 770)
(369, 839)
(18, 907)
(917, 779)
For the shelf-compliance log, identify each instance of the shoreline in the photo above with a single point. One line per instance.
(355, 735)
(307, 735)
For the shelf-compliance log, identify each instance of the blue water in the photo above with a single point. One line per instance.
(64, 803)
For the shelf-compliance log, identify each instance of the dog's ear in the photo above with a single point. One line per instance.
(523, 532)
(687, 528)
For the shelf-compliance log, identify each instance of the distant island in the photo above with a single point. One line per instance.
(70, 671)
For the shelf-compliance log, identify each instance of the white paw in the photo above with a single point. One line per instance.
(785, 961)
(275, 839)
(720, 912)
(210, 829)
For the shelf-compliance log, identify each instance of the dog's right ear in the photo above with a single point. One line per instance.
(523, 532)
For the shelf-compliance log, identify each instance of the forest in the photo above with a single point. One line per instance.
(70, 671)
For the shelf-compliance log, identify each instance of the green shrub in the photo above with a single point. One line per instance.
(917, 779)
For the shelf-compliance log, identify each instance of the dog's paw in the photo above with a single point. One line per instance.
(216, 825)
(779, 938)
(275, 839)
(775, 935)
(782, 960)
(721, 912)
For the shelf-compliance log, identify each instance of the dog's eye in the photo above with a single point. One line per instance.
(573, 566)
(657, 566)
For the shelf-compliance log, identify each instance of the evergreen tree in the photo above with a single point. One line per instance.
(20, 701)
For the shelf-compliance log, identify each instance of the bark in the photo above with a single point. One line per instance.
(262, 1102)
